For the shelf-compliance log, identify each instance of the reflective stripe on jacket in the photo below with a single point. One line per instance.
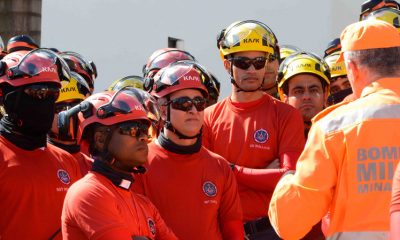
(346, 168)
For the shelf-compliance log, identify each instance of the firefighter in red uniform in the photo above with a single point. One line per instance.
(193, 188)
(101, 205)
(34, 176)
(71, 94)
(250, 128)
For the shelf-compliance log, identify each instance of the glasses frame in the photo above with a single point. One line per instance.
(177, 103)
(248, 62)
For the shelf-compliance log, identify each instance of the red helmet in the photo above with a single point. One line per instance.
(109, 108)
(160, 59)
(40, 65)
(163, 57)
(210, 81)
(178, 76)
(80, 65)
(21, 42)
(151, 106)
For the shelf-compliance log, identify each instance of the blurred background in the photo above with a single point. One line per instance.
(119, 35)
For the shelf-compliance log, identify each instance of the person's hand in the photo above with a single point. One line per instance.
(275, 164)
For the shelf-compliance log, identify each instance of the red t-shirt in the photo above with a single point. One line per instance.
(195, 193)
(252, 135)
(84, 161)
(33, 185)
(95, 208)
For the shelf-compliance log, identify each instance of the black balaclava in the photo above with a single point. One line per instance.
(28, 120)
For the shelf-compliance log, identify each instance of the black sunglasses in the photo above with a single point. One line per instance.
(134, 129)
(42, 92)
(186, 103)
(245, 62)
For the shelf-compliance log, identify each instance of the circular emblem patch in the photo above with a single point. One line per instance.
(209, 189)
(152, 226)
(63, 176)
(261, 136)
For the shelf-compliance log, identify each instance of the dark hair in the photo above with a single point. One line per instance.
(384, 62)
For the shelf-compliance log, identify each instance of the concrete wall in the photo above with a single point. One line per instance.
(119, 35)
(20, 17)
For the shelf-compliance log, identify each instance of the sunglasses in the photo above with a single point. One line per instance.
(42, 92)
(244, 62)
(134, 129)
(186, 103)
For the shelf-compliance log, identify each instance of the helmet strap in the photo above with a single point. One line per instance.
(105, 154)
(168, 125)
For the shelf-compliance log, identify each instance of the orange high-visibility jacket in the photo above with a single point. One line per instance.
(346, 168)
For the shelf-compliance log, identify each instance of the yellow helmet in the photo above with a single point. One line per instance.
(131, 81)
(76, 89)
(389, 15)
(287, 50)
(302, 62)
(249, 35)
(337, 69)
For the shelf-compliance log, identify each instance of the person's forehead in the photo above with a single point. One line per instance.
(304, 80)
(250, 54)
(186, 93)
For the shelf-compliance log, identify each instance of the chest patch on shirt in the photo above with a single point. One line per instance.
(63, 176)
(152, 226)
(209, 189)
(261, 136)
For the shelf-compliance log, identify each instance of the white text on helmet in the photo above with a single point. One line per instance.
(138, 107)
(191, 78)
(49, 69)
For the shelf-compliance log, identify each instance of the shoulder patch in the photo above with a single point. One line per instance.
(63, 176)
(209, 189)
(152, 226)
(261, 136)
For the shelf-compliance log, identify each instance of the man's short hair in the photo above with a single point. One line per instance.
(382, 61)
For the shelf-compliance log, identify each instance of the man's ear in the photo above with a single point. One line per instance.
(227, 66)
(163, 108)
(326, 95)
(99, 139)
(285, 99)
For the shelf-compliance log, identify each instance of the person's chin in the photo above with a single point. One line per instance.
(192, 132)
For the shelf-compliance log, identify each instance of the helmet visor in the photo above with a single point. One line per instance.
(248, 32)
(166, 58)
(41, 61)
(82, 85)
(172, 76)
(82, 63)
(388, 15)
(123, 102)
(1, 44)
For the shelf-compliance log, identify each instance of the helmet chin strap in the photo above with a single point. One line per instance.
(239, 89)
(169, 126)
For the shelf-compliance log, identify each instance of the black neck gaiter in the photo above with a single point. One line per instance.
(175, 148)
(119, 179)
(28, 120)
(71, 148)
